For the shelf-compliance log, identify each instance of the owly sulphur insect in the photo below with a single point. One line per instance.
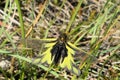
(60, 53)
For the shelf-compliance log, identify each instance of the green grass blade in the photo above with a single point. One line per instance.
(21, 20)
(73, 16)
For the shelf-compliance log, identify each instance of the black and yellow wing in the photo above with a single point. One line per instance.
(59, 53)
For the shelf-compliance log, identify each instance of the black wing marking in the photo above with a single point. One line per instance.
(59, 51)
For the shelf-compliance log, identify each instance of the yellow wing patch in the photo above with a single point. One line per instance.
(46, 56)
(69, 62)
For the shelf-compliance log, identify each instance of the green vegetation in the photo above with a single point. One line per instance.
(28, 26)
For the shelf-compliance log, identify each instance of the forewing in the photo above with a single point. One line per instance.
(35, 44)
